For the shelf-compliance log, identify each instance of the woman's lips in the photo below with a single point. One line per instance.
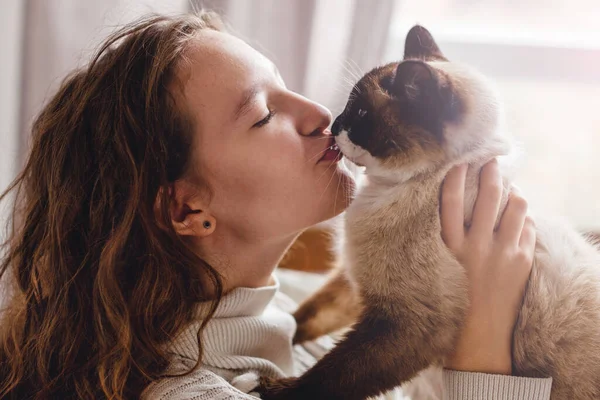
(332, 153)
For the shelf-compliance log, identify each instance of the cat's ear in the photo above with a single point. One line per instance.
(421, 45)
(413, 80)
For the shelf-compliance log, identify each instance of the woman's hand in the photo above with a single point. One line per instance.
(497, 263)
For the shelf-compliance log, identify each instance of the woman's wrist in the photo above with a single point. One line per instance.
(482, 349)
(481, 360)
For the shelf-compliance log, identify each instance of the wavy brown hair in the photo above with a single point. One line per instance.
(99, 280)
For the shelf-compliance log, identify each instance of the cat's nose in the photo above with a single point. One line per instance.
(336, 127)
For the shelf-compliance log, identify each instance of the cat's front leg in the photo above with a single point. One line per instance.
(379, 354)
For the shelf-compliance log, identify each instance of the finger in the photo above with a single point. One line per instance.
(513, 219)
(528, 237)
(452, 206)
(488, 201)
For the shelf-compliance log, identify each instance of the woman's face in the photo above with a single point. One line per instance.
(257, 144)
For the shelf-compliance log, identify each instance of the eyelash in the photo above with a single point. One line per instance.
(265, 120)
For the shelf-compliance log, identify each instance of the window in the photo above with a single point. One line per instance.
(544, 56)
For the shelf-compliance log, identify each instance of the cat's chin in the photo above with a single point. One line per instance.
(354, 160)
(399, 175)
(352, 152)
(356, 163)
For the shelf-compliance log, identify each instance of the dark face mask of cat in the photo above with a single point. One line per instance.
(403, 115)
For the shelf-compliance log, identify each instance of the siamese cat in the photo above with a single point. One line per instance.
(408, 123)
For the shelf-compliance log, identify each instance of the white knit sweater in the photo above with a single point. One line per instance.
(252, 330)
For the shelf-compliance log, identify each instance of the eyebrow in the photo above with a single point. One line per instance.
(248, 98)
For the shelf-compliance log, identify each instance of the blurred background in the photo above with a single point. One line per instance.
(544, 56)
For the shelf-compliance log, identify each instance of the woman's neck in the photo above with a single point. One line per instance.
(244, 263)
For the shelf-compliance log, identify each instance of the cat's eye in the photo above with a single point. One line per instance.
(362, 113)
(386, 84)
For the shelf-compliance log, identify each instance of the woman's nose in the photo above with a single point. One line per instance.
(312, 118)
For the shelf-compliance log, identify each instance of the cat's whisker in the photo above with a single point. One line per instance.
(340, 85)
(349, 67)
(346, 71)
(349, 82)
(323, 174)
(346, 67)
(350, 77)
(336, 193)
(328, 183)
(358, 70)
(320, 153)
(323, 137)
(342, 91)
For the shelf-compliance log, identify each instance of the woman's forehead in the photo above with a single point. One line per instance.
(221, 68)
(218, 57)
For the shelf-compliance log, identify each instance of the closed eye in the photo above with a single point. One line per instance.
(265, 120)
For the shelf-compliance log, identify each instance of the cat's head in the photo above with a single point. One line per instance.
(420, 114)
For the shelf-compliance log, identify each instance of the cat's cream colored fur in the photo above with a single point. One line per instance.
(558, 331)
(411, 291)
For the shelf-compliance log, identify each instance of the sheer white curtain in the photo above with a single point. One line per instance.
(318, 45)
(59, 35)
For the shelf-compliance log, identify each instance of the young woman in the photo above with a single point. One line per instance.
(165, 182)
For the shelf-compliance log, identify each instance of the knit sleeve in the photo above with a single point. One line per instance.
(479, 386)
(199, 385)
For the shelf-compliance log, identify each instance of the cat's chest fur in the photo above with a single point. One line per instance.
(393, 247)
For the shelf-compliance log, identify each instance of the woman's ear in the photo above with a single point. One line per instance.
(187, 210)
(193, 222)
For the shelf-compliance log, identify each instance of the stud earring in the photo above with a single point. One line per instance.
(206, 224)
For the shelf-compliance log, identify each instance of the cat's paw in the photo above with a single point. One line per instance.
(267, 388)
(247, 383)
(278, 389)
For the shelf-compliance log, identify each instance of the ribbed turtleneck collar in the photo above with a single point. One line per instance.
(246, 302)
(247, 332)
